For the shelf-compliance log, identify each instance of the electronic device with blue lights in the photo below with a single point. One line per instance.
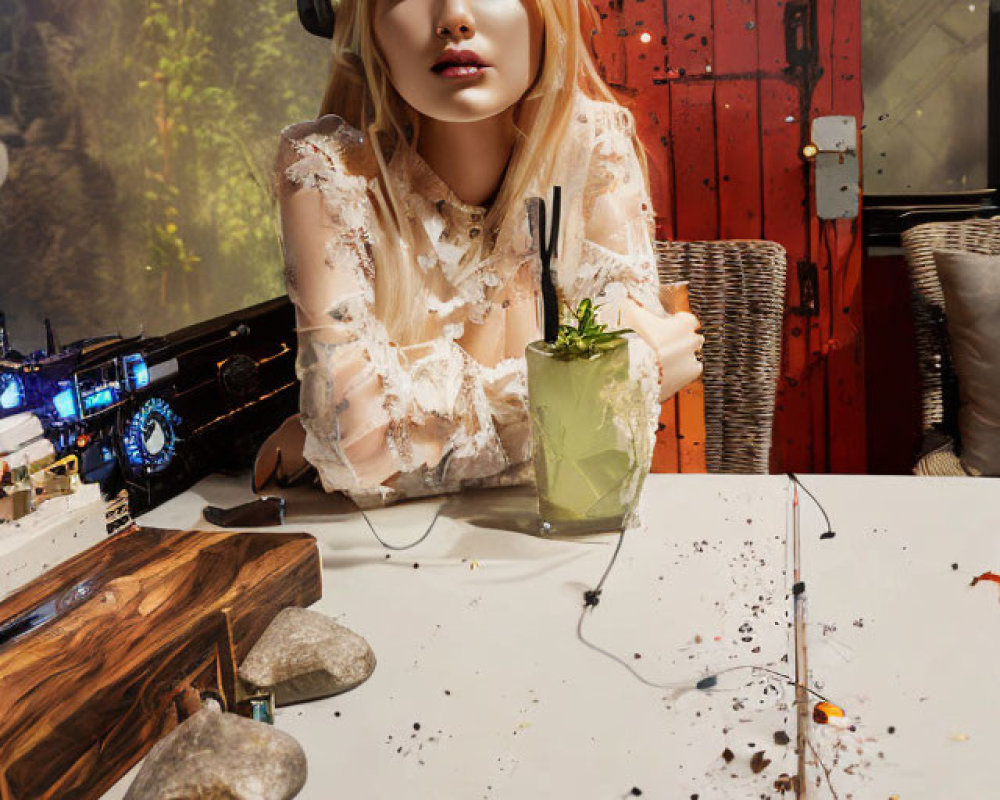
(156, 414)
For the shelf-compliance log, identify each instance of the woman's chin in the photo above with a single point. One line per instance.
(467, 104)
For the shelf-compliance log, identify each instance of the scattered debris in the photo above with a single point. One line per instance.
(986, 576)
(823, 712)
(758, 763)
(787, 783)
(780, 737)
(727, 755)
(707, 683)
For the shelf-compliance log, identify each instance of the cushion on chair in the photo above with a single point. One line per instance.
(971, 286)
(980, 236)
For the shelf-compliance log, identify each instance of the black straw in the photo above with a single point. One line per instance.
(548, 249)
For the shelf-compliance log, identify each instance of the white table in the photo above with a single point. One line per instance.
(899, 638)
(479, 643)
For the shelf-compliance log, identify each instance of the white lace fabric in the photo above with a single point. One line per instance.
(385, 422)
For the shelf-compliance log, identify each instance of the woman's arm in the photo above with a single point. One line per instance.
(370, 410)
(617, 264)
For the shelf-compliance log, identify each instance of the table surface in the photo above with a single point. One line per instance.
(486, 686)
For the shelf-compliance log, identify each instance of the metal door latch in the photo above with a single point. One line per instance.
(834, 150)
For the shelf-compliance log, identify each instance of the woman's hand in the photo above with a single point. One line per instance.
(281, 454)
(673, 339)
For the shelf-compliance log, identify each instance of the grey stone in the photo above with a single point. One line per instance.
(304, 655)
(217, 756)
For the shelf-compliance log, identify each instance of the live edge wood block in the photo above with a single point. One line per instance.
(105, 654)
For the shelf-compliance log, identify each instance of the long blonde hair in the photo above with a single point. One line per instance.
(359, 91)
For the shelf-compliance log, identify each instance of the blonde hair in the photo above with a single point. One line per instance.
(359, 91)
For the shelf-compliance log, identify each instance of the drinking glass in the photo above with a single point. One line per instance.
(590, 429)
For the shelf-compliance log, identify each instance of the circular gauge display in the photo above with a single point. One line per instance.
(150, 437)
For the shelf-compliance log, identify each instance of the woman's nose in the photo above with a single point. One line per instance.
(455, 21)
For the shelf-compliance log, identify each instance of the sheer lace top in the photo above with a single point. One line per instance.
(385, 422)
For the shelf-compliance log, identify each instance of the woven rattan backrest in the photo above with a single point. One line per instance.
(920, 243)
(737, 291)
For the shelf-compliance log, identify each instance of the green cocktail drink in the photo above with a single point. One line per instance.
(590, 426)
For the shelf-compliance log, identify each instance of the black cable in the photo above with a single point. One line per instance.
(829, 533)
(388, 546)
(618, 659)
(593, 596)
(703, 684)
(769, 671)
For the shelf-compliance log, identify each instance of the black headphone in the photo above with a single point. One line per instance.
(316, 17)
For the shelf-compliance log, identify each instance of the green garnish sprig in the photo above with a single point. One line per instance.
(585, 338)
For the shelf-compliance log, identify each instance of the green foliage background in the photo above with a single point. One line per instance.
(143, 173)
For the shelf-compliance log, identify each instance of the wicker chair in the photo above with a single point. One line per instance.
(737, 291)
(938, 385)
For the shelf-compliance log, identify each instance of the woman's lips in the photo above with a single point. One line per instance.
(460, 71)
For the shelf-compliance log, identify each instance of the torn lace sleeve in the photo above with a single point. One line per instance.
(372, 410)
(616, 259)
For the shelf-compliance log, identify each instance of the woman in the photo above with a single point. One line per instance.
(408, 250)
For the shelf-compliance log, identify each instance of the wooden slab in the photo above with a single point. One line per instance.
(99, 655)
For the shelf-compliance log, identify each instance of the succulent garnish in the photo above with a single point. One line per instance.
(583, 337)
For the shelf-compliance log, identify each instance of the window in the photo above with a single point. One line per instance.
(141, 137)
(926, 84)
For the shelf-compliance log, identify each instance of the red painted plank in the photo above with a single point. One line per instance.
(739, 153)
(691, 428)
(798, 433)
(692, 115)
(737, 118)
(690, 38)
(665, 454)
(735, 51)
(690, 48)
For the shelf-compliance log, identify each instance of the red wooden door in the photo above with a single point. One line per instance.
(724, 93)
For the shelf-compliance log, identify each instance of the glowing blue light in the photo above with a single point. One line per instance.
(150, 438)
(98, 400)
(137, 371)
(11, 391)
(65, 403)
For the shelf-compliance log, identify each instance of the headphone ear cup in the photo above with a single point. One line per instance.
(317, 17)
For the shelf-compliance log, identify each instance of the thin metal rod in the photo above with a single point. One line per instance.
(801, 662)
